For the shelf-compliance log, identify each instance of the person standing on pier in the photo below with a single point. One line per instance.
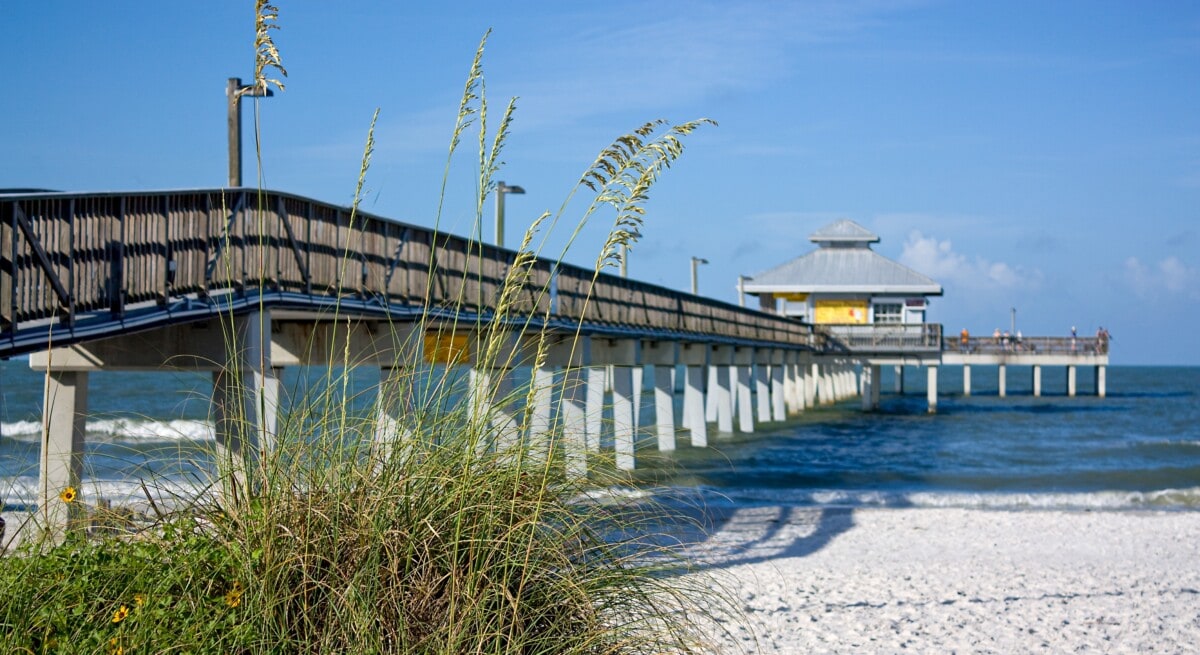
(964, 340)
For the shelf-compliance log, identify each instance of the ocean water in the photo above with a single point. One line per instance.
(1139, 447)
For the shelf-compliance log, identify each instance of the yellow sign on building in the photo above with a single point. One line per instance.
(840, 311)
(447, 348)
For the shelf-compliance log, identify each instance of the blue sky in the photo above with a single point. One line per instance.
(1043, 156)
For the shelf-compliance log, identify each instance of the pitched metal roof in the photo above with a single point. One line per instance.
(843, 264)
(844, 230)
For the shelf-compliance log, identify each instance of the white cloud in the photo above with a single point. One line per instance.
(938, 260)
(1169, 277)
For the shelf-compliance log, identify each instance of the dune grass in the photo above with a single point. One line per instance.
(438, 529)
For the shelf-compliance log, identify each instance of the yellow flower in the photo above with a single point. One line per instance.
(139, 599)
(68, 495)
(236, 587)
(120, 614)
(114, 648)
(233, 599)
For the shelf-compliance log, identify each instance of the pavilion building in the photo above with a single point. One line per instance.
(844, 282)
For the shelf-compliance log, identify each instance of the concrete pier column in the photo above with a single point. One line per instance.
(1071, 381)
(721, 394)
(825, 387)
(245, 398)
(812, 385)
(931, 392)
(623, 431)
(711, 397)
(540, 440)
(390, 405)
(966, 379)
(664, 407)
(64, 416)
(872, 377)
(741, 374)
(899, 379)
(745, 408)
(662, 356)
(490, 391)
(724, 401)
(694, 358)
(1002, 380)
(595, 406)
(1101, 381)
(778, 392)
(694, 404)
(573, 413)
(868, 381)
(762, 388)
(790, 391)
(1037, 380)
(639, 379)
(876, 384)
(799, 369)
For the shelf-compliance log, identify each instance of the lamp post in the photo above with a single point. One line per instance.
(501, 189)
(234, 92)
(1013, 324)
(696, 262)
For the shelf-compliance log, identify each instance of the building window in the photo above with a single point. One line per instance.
(888, 313)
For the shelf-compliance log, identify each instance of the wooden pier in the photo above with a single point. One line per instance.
(148, 281)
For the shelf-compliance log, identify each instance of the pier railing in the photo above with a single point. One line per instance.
(1033, 345)
(68, 260)
(883, 338)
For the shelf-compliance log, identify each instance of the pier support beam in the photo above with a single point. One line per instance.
(743, 363)
(623, 431)
(762, 389)
(1037, 380)
(694, 357)
(931, 390)
(662, 357)
(1071, 381)
(1002, 380)
(573, 413)
(812, 379)
(966, 379)
(1102, 381)
(540, 440)
(871, 375)
(721, 394)
(595, 406)
(245, 398)
(899, 379)
(779, 388)
(64, 415)
(391, 406)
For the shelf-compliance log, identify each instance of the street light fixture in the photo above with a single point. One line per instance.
(501, 189)
(696, 262)
(234, 92)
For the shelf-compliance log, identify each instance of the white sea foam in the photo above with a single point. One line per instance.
(21, 491)
(122, 429)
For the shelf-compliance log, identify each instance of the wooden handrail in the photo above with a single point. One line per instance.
(203, 242)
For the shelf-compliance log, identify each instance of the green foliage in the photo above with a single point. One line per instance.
(124, 595)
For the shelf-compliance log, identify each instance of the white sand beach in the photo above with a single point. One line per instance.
(959, 580)
(837, 580)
